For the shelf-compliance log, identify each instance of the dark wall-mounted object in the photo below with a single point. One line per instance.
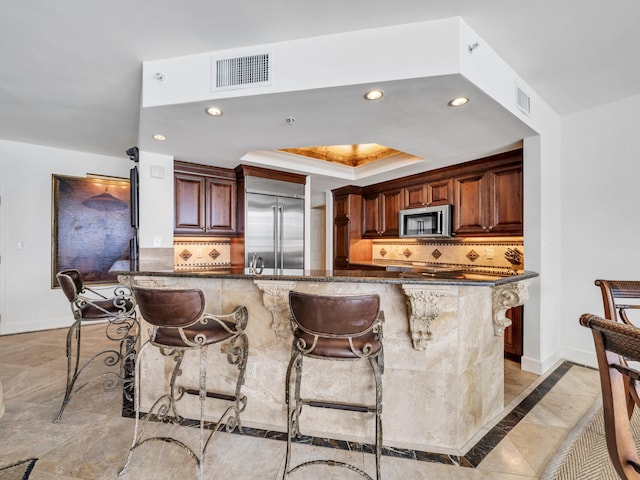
(134, 193)
(133, 153)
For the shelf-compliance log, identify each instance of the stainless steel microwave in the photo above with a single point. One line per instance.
(426, 222)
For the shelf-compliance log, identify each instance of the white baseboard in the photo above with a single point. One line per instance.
(7, 328)
(581, 357)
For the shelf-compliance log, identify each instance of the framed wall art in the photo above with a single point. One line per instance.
(91, 226)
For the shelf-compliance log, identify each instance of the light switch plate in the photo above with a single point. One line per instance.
(157, 171)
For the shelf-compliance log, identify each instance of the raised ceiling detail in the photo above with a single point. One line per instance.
(349, 155)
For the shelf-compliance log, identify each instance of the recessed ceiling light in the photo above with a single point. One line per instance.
(159, 137)
(213, 111)
(458, 101)
(374, 94)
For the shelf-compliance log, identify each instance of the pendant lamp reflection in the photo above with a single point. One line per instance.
(105, 202)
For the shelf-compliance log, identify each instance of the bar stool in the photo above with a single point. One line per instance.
(334, 328)
(179, 324)
(119, 314)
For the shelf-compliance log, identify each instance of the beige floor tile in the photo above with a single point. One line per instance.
(507, 458)
(92, 440)
(535, 444)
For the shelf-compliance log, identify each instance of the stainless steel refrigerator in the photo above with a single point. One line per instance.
(274, 223)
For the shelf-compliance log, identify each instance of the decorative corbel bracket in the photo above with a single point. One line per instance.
(275, 298)
(424, 307)
(504, 297)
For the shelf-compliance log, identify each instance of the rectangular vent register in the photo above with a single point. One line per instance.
(241, 72)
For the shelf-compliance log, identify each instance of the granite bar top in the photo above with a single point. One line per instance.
(463, 278)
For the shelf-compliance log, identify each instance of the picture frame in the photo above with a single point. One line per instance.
(91, 226)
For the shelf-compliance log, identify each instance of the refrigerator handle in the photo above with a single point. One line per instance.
(280, 240)
(276, 227)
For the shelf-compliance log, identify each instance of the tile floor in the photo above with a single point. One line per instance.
(92, 440)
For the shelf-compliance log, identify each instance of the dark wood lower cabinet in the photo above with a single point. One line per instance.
(513, 334)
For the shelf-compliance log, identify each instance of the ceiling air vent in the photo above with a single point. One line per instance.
(241, 72)
(523, 101)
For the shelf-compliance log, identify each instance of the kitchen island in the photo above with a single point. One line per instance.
(444, 370)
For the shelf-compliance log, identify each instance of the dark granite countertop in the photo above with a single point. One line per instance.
(352, 276)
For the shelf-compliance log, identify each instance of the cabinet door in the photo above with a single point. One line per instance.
(189, 203)
(415, 196)
(440, 192)
(470, 204)
(341, 240)
(371, 215)
(391, 204)
(505, 200)
(341, 206)
(221, 205)
(513, 334)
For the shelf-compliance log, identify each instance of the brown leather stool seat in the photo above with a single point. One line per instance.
(179, 324)
(118, 313)
(335, 327)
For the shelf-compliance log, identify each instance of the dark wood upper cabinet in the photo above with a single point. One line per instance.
(489, 202)
(221, 205)
(438, 192)
(205, 200)
(381, 213)
(471, 204)
(486, 194)
(189, 193)
(371, 215)
(347, 243)
(506, 210)
(391, 203)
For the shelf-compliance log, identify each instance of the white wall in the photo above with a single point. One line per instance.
(542, 195)
(156, 200)
(600, 221)
(28, 301)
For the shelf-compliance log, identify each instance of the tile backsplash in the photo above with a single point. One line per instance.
(201, 253)
(498, 254)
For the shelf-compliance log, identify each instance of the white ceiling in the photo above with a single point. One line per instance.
(71, 71)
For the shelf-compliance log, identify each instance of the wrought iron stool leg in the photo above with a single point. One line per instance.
(293, 411)
(377, 373)
(73, 361)
(136, 389)
(203, 396)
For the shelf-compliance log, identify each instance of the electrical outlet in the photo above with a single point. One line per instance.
(489, 253)
(250, 372)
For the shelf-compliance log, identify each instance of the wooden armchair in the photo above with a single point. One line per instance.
(615, 342)
(620, 298)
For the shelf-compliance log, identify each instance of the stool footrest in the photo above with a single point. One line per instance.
(220, 396)
(352, 407)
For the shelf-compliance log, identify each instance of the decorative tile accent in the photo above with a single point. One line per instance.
(472, 255)
(514, 256)
(436, 254)
(383, 252)
(201, 254)
(407, 253)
